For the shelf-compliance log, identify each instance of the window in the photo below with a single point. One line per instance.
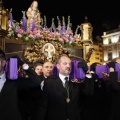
(109, 56)
(96, 53)
(97, 58)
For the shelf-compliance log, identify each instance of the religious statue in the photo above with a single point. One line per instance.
(33, 15)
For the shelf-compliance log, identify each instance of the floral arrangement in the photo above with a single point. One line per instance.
(62, 33)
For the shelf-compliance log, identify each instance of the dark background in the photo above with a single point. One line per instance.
(103, 15)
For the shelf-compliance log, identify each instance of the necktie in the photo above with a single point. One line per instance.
(67, 89)
(66, 83)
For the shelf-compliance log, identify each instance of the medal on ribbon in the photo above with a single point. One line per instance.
(67, 100)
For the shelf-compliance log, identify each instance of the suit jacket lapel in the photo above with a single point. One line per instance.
(70, 88)
(61, 86)
(4, 87)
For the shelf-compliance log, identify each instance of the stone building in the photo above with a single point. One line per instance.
(111, 45)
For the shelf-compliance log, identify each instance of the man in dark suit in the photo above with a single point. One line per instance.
(112, 104)
(8, 90)
(30, 97)
(94, 104)
(60, 102)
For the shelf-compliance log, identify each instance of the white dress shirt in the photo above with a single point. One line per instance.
(2, 80)
(63, 79)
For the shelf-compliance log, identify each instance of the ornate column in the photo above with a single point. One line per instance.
(86, 38)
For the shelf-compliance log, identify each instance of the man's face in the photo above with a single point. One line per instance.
(47, 69)
(64, 66)
(38, 70)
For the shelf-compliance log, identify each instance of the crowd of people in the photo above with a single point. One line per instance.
(41, 95)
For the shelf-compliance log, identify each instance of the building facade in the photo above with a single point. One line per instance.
(97, 55)
(111, 45)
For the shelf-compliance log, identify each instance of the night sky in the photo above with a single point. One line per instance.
(102, 16)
